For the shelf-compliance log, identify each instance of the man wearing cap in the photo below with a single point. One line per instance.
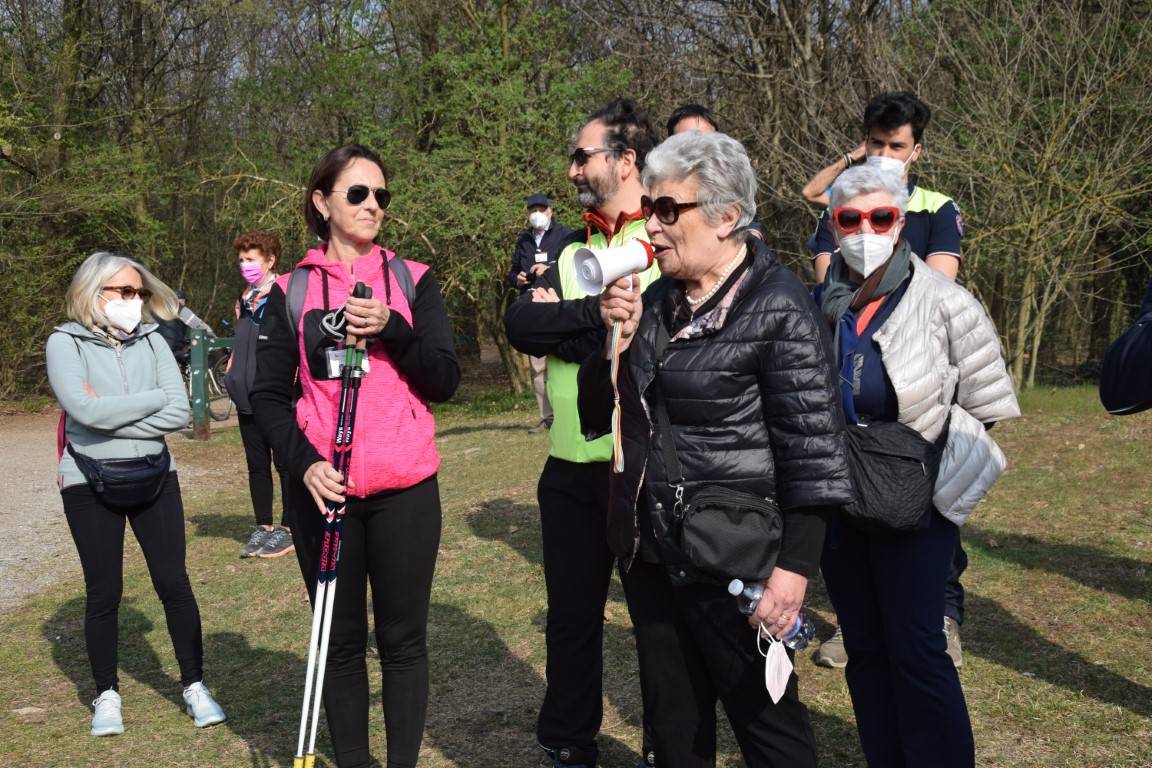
(556, 319)
(537, 248)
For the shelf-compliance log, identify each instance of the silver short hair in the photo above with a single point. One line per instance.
(864, 180)
(720, 166)
(94, 273)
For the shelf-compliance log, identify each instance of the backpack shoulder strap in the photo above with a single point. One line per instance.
(403, 277)
(297, 292)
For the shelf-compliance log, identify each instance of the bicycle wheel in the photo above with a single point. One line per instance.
(219, 403)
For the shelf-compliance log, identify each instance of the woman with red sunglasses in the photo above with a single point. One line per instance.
(914, 348)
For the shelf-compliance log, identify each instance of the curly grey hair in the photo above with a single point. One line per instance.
(720, 166)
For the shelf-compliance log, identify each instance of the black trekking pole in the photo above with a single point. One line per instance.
(351, 373)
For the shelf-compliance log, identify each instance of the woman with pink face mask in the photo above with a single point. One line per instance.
(257, 254)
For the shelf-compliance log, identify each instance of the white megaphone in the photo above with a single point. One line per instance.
(597, 268)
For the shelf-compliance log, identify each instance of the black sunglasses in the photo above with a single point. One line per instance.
(667, 210)
(581, 155)
(129, 292)
(358, 193)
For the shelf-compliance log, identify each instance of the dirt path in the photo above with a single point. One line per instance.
(36, 549)
(35, 546)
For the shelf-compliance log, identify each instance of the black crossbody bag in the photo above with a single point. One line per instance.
(724, 532)
(894, 473)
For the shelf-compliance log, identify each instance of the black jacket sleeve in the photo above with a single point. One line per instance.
(594, 397)
(425, 355)
(570, 329)
(273, 394)
(518, 264)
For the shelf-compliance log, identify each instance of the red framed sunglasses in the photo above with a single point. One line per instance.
(882, 218)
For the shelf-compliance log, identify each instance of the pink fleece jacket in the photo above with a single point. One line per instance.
(393, 440)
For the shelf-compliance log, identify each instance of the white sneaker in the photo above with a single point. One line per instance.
(107, 720)
(202, 708)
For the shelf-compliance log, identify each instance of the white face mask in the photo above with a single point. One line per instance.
(890, 164)
(538, 220)
(124, 313)
(865, 251)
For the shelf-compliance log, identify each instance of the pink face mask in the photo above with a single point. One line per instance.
(252, 273)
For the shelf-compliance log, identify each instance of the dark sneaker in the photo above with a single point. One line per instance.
(255, 542)
(831, 652)
(279, 543)
(952, 633)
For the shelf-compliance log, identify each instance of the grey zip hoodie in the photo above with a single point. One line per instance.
(119, 400)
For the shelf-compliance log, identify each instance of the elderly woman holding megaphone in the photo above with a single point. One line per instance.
(733, 457)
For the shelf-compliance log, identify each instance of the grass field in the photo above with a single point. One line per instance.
(1058, 664)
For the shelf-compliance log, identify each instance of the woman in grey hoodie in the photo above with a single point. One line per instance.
(121, 393)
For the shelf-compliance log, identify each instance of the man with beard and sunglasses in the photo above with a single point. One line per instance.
(894, 126)
(556, 319)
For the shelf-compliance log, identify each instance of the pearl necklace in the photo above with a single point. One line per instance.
(719, 281)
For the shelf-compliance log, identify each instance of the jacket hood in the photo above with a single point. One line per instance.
(317, 258)
(73, 328)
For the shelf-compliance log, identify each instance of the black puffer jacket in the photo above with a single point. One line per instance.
(754, 406)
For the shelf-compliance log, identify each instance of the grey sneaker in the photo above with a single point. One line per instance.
(201, 707)
(107, 721)
(278, 543)
(952, 633)
(542, 426)
(255, 542)
(831, 652)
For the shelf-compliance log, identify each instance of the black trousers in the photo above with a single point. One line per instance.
(888, 591)
(98, 531)
(577, 570)
(389, 539)
(695, 647)
(260, 458)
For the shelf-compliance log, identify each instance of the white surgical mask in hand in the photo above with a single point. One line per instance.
(865, 251)
(777, 665)
(124, 313)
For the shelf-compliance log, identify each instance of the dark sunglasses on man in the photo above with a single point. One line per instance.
(667, 210)
(358, 193)
(129, 292)
(882, 218)
(581, 155)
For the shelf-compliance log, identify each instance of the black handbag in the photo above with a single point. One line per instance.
(724, 532)
(893, 471)
(1126, 373)
(125, 483)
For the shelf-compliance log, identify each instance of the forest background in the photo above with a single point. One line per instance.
(164, 128)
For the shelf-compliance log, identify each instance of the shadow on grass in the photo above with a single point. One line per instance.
(997, 635)
(471, 429)
(1091, 567)
(248, 681)
(232, 527)
(512, 522)
(484, 699)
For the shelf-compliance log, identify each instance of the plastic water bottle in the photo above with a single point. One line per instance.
(747, 596)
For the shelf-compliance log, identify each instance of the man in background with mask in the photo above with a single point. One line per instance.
(894, 126)
(537, 248)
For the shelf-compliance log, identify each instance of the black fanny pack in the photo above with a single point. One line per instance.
(125, 483)
(894, 473)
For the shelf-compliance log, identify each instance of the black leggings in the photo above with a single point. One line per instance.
(98, 531)
(260, 458)
(390, 539)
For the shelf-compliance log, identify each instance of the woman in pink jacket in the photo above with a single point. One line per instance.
(391, 527)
